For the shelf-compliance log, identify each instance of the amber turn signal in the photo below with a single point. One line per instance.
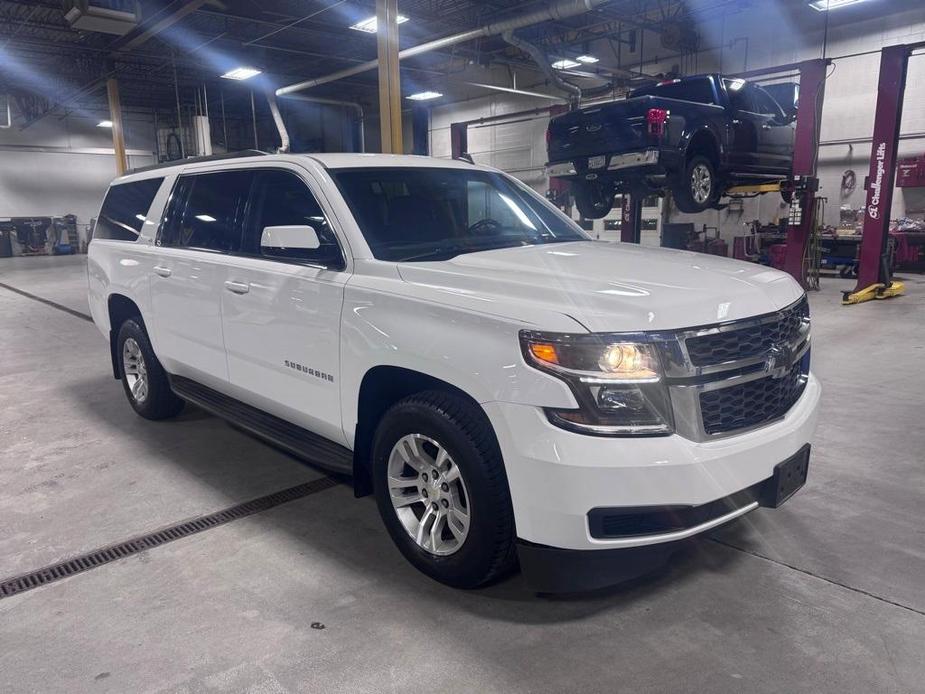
(545, 352)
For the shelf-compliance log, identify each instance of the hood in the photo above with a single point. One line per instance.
(609, 287)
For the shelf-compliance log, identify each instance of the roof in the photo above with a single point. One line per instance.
(348, 160)
(340, 160)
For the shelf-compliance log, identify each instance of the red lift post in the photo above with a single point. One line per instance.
(874, 273)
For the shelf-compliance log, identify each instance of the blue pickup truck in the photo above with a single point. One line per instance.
(696, 136)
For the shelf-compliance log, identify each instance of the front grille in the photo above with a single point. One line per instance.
(752, 403)
(749, 341)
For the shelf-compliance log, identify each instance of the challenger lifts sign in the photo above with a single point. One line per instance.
(873, 209)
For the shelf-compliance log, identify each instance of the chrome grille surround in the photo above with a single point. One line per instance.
(688, 380)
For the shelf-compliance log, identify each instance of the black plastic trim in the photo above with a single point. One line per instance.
(290, 437)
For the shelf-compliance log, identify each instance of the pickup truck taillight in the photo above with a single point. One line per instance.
(656, 118)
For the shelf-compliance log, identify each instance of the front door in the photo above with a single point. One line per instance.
(202, 226)
(281, 309)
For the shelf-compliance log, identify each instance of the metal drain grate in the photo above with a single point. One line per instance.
(48, 302)
(105, 555)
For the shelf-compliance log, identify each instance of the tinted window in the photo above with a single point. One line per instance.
(281, 198)
(206, 211)
(410, 214)
(699, 90)
(742, 96)
(124, 210)
(766, 103)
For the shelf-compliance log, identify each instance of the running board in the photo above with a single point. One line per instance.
(292, 438)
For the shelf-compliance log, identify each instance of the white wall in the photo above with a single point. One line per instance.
(59, 167)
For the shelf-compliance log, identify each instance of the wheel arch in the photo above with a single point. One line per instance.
(382, 386)
(704, 141)
(120, 308)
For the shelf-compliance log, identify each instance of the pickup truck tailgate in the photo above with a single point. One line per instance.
(615, 127)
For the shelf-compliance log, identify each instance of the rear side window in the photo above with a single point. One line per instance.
(125, 208)
(206, 211)
(699, 90)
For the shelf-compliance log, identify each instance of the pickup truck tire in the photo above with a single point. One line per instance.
(457, 528)
(697, 188)
(143, 378)
(594, 199)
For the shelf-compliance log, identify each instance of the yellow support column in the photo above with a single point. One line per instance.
(115, 115)
(389, 80)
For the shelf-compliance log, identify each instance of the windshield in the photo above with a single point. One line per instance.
(410, 214)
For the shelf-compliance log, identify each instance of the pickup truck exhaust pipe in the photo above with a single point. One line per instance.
(542, 61)
(555, 11)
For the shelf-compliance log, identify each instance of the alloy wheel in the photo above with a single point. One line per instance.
(135, 369)
(429, 494)
(701, 183)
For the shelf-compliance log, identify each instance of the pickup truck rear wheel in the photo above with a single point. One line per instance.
(697, 189)
(441, 489)
(594, 199)
(143, 378)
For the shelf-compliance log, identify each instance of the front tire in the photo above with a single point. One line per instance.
(143, 378)
(697, 189)
(456, 526)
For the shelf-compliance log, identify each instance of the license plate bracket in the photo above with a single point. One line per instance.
(789, 477)
(598, 162)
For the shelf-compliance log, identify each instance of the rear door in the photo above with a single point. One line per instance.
(201, 229)
(761, 140)
(281, 309)
(775, 141)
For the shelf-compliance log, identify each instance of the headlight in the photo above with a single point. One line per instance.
(616, 379)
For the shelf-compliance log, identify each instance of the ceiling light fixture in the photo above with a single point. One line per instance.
(424, 96)
(241, 73)
(371, 25)
(104, 124)
(587, 59)
(565, 64)
(826, 5)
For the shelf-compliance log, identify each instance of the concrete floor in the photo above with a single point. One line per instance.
(824, 595)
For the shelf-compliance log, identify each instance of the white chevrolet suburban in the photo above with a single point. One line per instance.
(506, 387)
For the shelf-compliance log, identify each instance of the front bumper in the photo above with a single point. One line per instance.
(557, 477)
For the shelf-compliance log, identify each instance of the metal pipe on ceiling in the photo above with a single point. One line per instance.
(562, 9)
(542, 62)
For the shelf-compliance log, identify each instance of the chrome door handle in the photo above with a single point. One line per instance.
(237, 287)
(162, 271)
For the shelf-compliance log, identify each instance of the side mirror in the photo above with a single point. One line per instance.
(282, 240)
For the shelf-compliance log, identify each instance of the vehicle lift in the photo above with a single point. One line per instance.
(875, 279)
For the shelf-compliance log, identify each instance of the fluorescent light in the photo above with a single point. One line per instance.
(104, 124)
(241, 73)
(565, 64)
(824, 5)
(371, 25)
(424, 96)
(588, 59)
(205, 218)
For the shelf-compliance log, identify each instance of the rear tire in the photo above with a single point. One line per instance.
(458, 528)
(143, 378)
(697, 188)
(594, 199)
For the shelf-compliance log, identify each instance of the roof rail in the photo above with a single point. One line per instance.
(198, 160)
